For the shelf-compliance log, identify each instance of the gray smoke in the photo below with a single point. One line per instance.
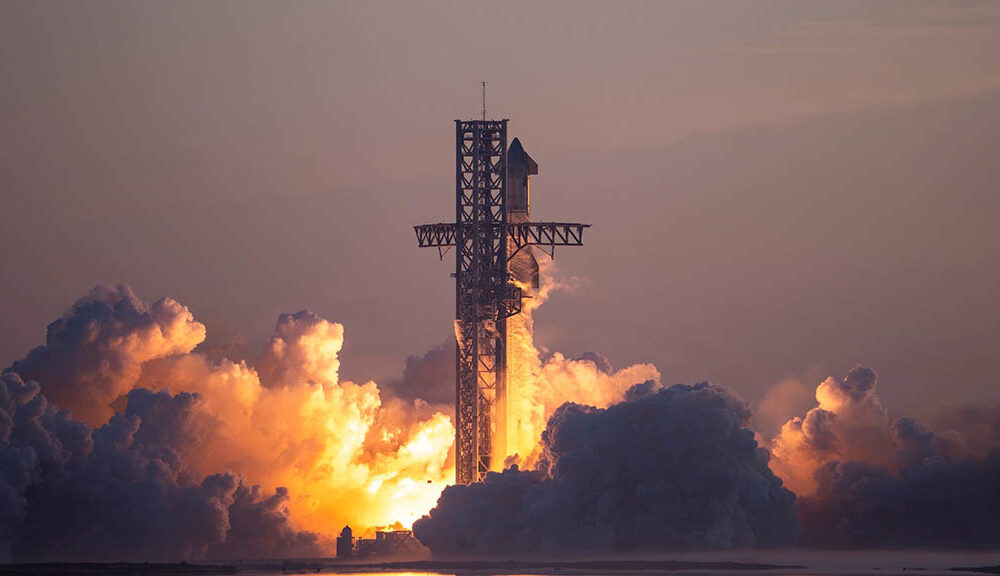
(120, 489)
(668, 468)
(93, 354)
(430, 377)
(100, 474)
(933, 500)
(121, 492)
(868, 480)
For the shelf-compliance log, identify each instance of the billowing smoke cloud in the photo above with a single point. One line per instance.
(185, 456)
(122, 491)
(668, 468)
(936, 504)
(866, 480)
(94, 354)
(273, 453)
(121, 440)
(848, 424)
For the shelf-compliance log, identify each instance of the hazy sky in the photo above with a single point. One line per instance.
(778, 189)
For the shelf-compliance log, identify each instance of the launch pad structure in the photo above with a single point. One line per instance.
(493, 237)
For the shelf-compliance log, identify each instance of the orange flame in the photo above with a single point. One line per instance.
(345, 451)
(301, 428)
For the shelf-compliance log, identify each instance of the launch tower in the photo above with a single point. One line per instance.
(493, 237)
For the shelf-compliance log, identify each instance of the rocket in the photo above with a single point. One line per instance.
(520, 167)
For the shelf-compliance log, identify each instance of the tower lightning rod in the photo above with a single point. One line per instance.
(484, 100)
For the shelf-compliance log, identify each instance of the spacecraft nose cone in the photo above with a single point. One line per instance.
(519, 160)
(516, 150)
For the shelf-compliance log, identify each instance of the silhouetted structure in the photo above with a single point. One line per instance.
(491, 232)
(345, 543)
(385, 543)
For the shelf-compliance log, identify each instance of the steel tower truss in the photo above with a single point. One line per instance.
(485, 295)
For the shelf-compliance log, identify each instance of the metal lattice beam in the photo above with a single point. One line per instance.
(545, 234)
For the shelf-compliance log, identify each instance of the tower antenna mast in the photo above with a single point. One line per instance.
(484, 100)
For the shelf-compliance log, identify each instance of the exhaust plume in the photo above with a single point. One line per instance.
(538, 385)
(272, 455)
(224, 455)
(666, 468)
(277, 443)
(122, 491)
